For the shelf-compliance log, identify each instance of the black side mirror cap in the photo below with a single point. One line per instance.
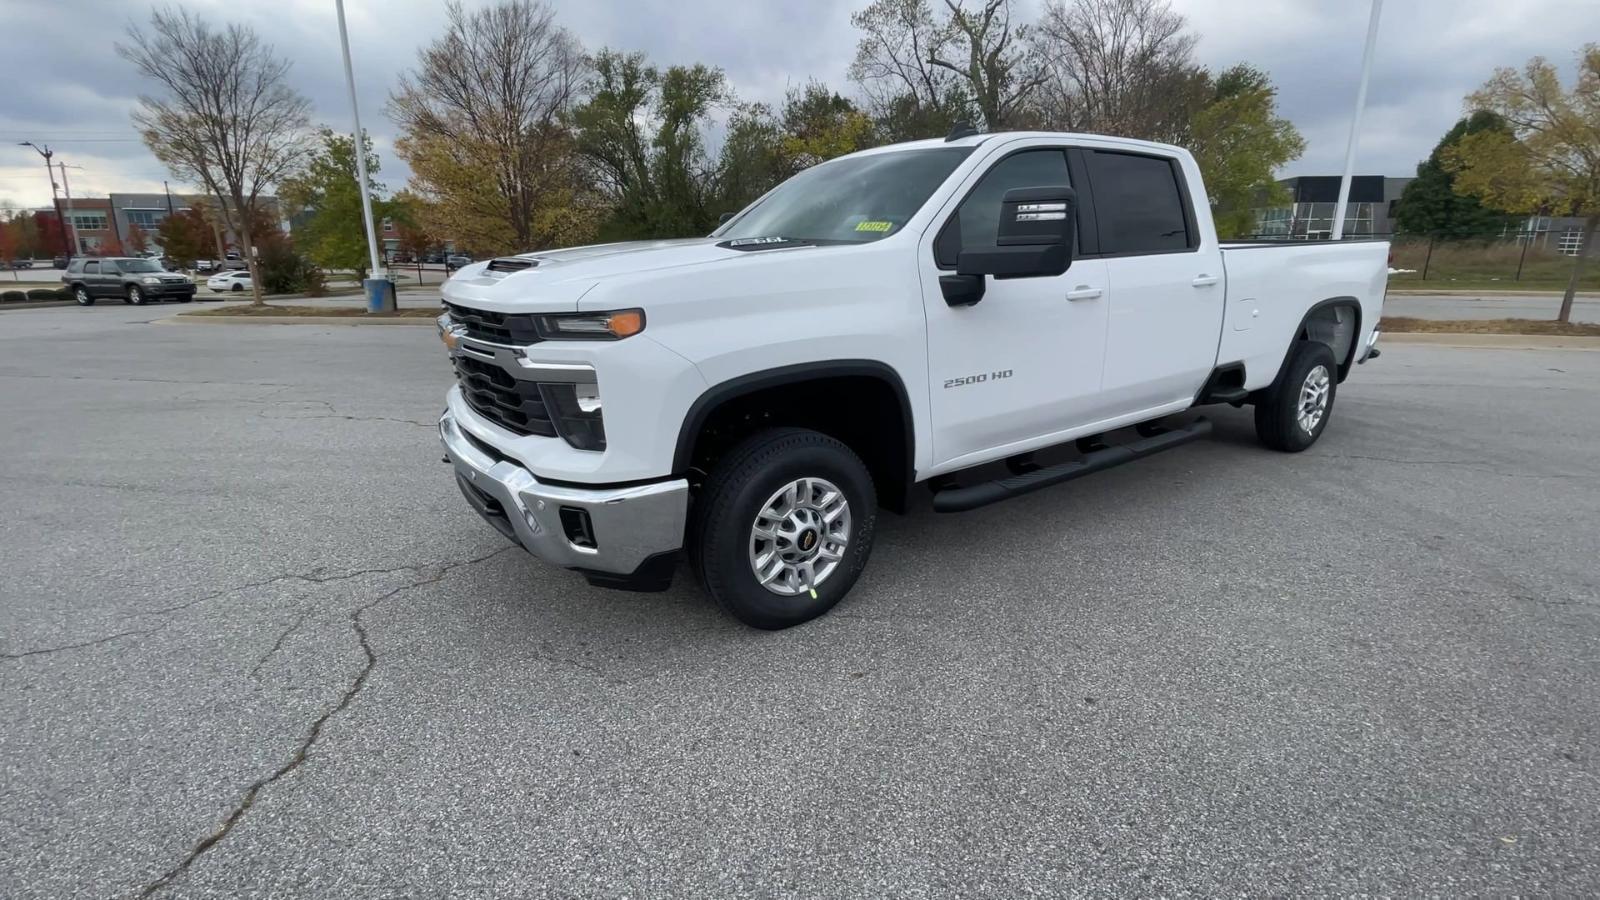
(1034, 237)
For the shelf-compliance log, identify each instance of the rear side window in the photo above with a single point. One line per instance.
(92, 267)
(976, 223)
(1138, 203)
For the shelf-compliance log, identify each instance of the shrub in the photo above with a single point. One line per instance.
(12, 296)
(283, 271)
(46, 294)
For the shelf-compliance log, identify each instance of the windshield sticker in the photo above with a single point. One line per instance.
(874, 226)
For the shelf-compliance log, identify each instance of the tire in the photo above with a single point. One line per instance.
(754, 478)
(1309, 371)
(135, 295)
(81, 295)
(237, 287)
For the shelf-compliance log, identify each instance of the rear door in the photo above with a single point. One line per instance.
(91, 277)
(1025, 361)
(1165, 278)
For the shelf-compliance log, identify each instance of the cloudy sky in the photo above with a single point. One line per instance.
(1430, 54)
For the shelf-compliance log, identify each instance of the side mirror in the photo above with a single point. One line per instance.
(1034, 238)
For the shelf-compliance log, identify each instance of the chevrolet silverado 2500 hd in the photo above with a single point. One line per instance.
(891, 317)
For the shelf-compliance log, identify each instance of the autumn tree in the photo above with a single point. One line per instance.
(329, 191)
(225, 117)
(9, 243)
(481, 121)
(1549, 160)
(1239, 141)
(138, 242)
(186, 236)
(1122, 67)
(1431, 205)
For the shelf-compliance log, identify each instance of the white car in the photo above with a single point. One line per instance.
(903, 315)
(236, 280)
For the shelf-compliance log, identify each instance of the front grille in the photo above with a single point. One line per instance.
(494, 327)
(508, 402)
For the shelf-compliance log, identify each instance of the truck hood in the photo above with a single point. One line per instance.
(558, 279)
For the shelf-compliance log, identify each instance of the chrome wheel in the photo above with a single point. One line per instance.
(1313, 405)
(799, 536)
(135, 296)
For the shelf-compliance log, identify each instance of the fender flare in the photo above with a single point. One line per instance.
(1355, 306)
(733, 388)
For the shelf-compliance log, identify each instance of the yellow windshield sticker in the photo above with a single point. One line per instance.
(874, 226)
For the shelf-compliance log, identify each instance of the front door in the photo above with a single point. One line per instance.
(109, 282)
(1025, 361)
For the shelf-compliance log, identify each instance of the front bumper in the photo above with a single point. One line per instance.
(635, 530)
(168, 290)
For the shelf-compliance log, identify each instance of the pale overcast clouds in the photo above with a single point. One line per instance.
(77, 92)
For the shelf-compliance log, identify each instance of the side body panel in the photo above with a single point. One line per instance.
(1271, 288)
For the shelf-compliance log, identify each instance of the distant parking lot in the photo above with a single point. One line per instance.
(254, 643)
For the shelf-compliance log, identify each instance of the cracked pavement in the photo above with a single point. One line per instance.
(252, 643)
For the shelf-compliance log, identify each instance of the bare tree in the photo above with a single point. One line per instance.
(905, 92)
(482, 123)
(226, 119)
(1118, 66)
(999, 70)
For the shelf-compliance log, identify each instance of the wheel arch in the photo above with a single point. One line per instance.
(1324, 323)
(891, 461)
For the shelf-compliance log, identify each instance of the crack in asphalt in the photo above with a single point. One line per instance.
(314, 733)
(45, 651)
(255, 671)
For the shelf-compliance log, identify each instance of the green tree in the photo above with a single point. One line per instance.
(642, 133)
(334, 234)
(1549, 159)
(1431, 205)
(1239, 142)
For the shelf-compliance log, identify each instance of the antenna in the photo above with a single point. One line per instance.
(960, 130)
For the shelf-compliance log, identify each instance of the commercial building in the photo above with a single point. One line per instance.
(116, 219)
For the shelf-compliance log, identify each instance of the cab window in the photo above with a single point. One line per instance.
(976, 222)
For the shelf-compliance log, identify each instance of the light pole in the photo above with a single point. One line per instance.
(380, 295)
(55, 198)
(1355, 122)
(66, 188)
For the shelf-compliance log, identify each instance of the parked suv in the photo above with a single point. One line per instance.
(131, 279)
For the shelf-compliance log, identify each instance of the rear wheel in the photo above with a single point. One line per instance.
(783, 527)
(237, 287)
(135, 295)
(81, 295)
(1292, 414)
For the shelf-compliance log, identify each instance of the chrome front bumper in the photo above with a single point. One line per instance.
(632, 527)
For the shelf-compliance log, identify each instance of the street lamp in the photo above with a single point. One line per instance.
(55, 199)
(1355, 122)
(380, 297)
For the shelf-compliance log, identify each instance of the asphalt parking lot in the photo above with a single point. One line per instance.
(254, 643)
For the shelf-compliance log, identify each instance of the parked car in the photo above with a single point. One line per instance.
(133, 279)
(20, 264)
(456, 261)
(900, 315)
(433, 259)
(59, 262)
(232, 280)
(205, 265)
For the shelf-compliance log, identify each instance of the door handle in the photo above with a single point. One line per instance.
(1204, 280)
(1083, 292)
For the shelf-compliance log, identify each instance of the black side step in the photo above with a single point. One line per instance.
(962, 499)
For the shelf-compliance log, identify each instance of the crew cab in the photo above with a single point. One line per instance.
(986, 314)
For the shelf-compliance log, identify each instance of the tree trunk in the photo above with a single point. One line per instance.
(249, 250)
(1590, 225)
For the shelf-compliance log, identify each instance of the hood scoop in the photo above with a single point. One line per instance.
(511, 264)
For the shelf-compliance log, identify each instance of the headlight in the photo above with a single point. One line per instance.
(150, 279)
(599, 326)
(575, 408)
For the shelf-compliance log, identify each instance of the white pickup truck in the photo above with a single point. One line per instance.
(901, 315)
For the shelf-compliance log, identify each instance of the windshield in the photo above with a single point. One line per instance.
(855, 200)
(138, 265)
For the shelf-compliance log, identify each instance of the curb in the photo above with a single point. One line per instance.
(1465, 292)
(35, 304)
(1492, 341)
(187, 319)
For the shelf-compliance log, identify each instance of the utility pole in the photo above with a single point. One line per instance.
(380, 295)
(73, 229)
(168, 191)
(55, 198)
(1355, 122)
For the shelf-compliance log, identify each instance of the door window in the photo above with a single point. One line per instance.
(976, 224)
(1138, 203)
(92, 267)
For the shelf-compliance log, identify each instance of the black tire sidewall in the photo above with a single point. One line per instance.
(723, 549)
(1286, 395)
(135, 296)
(81, 296)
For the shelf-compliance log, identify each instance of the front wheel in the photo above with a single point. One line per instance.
(135, 296)
(1292, 414)
(81, 295)
(783, 527)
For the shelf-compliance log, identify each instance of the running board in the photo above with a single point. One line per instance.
(962, 499)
